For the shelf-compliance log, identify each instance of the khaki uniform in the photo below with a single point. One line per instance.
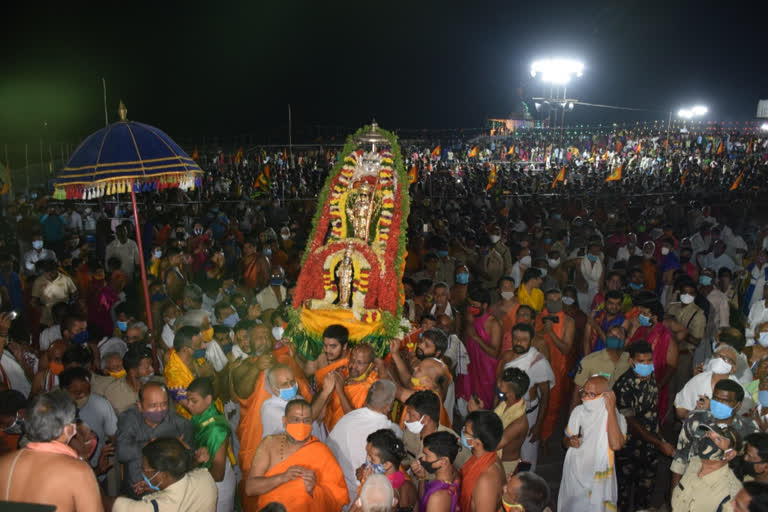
(707, 493)
(195, 492)
(601, 362)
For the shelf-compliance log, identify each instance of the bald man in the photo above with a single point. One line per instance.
(428, 375)
(344, 389)
(283, 387)
(595, 430)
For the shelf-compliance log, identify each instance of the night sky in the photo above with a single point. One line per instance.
(209, 68)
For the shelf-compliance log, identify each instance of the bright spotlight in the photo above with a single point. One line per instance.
(764, 127)
(699, 110)
(685, 113)
(557, 71)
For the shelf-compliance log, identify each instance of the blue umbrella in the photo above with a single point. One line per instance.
(127, 156)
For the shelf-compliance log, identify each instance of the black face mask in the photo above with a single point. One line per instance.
(429, 467)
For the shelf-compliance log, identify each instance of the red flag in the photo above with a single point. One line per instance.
(560, 177)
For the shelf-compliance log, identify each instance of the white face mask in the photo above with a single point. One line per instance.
(719, 366)
(686, 298)
(763, 339)
(594, 405)
(543, 272)
(664, 251)
(525, 260)
(568, 301)
(554, 263)
(415, 426)
(511, 295)
(277, 332)
(495, 238)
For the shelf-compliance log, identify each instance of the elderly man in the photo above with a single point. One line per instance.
(348, 439)
(123, 392)
(595, 431)
(283, 388)
(527, 490)
(376, 495)
(44, 470)
(295, 469)
(149, 419)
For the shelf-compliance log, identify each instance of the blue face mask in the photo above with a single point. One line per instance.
(268, 251)
(705, 280)
(613, 343)
(158, 297)
(377, 468)
(556, 216)
(645, 321)
(719, 410)
(547, 241)
(643, 369)
(462, 278)
(592, 257)
(149, 482)
(464, 441)
(231, 320)
(289, 393)
(762, 397)
(81, 337)
(442, 254)
(636, 286)
(199, 353)
(276, 282)
(123, 326)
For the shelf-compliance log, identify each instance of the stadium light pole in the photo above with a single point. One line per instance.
(686, 113)
(558, 72)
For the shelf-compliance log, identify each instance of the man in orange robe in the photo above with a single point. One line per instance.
(482, 476)
(557, 328)
(248, 384)
(350, 385)
(295, 469)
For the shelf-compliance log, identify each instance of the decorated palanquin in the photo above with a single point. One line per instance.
(353, 266)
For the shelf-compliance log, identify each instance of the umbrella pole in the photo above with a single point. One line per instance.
(144, 284)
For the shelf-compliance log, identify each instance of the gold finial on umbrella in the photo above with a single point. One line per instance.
(122, 112)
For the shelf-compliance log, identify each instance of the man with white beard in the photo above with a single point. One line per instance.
(525, 357)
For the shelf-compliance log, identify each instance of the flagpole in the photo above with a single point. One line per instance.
(669, 124)
(106, 115)
(290, 133)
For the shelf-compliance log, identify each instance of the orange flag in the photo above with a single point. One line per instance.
(560, 177)
(413, 174)
(492, 177)
(436, 151)
(195, 155)
(683, 177)
(239, 156)
(720, 148)
(616, 174)
(639, 147)
(285, 155)
(473, 152)
(737, 182)
(6, 183)
(619, 146)
(511, 150)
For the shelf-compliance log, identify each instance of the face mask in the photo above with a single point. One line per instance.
(613, 343)
(117, 375)
(556, 216)
(686, 298)
(643, 369)
(276, 282)
(543, 272)
(708, 450)
(149, 481)
(525, 260)
(494, 238)
(80, 402)
(636, 286)
(16, 428)
(442, 254)
(158, 297)
(553, 263)
(198, 354)
(568, 301)
(763, 339)
(664, 251)
(277, 332)
(547, 241)
(719, 410)
(594, 405)
(719, 366)
(56, 367)
(376, 468)
(198, 231)
(207, 334)
(285, 236)
(415, 426)
(37, 244)
(298, 431)
(748, 468)
(155, 417)
(123, 326)
(464, 441)
(592, 257)
(762, 397)
(462, 278)
(429, 467)
(268, 251)
(554, 306)
(416, 381)
(705, 280)
(473, 310)
(644, 320)
(289, 393)
(80, 337)
(171, 321)
(507, 295)
(231, 320)
(158, 254)
(146, 378)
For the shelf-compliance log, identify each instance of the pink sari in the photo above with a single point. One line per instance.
(481, 378)
(659, 337)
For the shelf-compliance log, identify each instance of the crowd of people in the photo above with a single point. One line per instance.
(629, 334)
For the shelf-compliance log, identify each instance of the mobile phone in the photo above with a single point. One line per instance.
(425, 228)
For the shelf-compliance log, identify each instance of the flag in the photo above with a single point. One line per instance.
(5, 183)
(683, 177)
(615, 174)
(195, 154)
(737, 182)
(560, 177)
(239, 156)
(666, 144)
(720, 148)
(492, 176)
(472, 152)
(511, 151)
(285, 155)
(263, 179)
(619, 146)
(639, 147)
(436, 152)
(413, 174)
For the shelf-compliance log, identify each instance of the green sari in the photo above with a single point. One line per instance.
(211, 430)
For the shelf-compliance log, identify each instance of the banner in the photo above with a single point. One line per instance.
(762, 109)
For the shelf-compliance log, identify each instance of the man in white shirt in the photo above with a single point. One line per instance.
(283, 387)
(37, 253)
(758, 313)
(347, 440)
(75, 223)
(273, 295)
(758, 278)
(717, 258)
(719, 301)
(124, 249)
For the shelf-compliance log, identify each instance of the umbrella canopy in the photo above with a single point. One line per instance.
(125, 153)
